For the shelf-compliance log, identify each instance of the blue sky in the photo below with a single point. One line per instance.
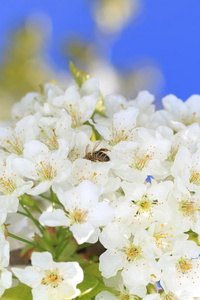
(167, 32)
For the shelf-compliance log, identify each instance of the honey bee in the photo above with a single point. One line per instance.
(98, 155)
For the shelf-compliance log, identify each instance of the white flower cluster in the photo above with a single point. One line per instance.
(137, 190)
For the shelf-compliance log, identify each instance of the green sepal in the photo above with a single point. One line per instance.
(193, 236)
(27, 200)
(20, 292)
(151, 288)
(26, 249)
(80, 76)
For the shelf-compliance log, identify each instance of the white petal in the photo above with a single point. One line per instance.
(28, 276)
(24, 167)
(55, 218)
(42, 260)
(102, 214)
(82, 232)
(110, 263)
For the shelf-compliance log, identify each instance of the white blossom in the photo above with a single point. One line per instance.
(51, 280)
(84, 213)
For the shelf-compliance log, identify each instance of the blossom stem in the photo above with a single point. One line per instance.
(37, 208)
(45, 197)
(64, 241)
(22, 213)
(64, 244)
(36, 222)
(21, 239)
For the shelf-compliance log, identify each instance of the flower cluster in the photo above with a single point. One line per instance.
(127, 176)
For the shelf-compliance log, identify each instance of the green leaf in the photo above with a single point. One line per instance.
(69, 250)
(89, 283)
(42, 243)
(49, 235)
(20, 292)
(100, 107)
(93, 270)
(93, 292)
(79, 76)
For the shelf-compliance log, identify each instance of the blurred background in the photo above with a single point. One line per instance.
(130, 45)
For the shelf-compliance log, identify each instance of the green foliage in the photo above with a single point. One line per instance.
(87, 286)
(93, 270)
(27, 200)
(20, 292)
(79, 76)
(93, 283)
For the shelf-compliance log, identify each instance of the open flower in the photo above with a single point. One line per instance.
(180, 268)
(84, 213)
(42, 165)
(11, 186)
(80, 105)
(51, 280)
(5, 275)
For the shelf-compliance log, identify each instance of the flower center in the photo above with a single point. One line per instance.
(132, 252)
(75, 113)
(145, 204)
(161, 239)
(172, 154)
(13, 146)
(127, 297)
(50, 139)
(46, 172)
(52, 278)
(195, 177)
(139, 163)
(118, 136)
(7, 186)
(169, 296)
(78, 216)
(184, 265)
(194, 119)
(188, 208)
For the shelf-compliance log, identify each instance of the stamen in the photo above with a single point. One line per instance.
(195, 177)
(52, 278)
(78, 216)
(51, 139)
(7, 186)
(46, 172)
(140, 162)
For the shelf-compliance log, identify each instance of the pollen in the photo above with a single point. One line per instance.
(50, 138)
(139, 163)
(52, 278)
(184, 265)
(78, 216)
(46, 171)
(7, 185)
(132, 252)
(195, 177)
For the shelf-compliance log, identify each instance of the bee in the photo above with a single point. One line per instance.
(98, 155)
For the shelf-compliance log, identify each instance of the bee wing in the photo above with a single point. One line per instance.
(86, 149)
(96, 145)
